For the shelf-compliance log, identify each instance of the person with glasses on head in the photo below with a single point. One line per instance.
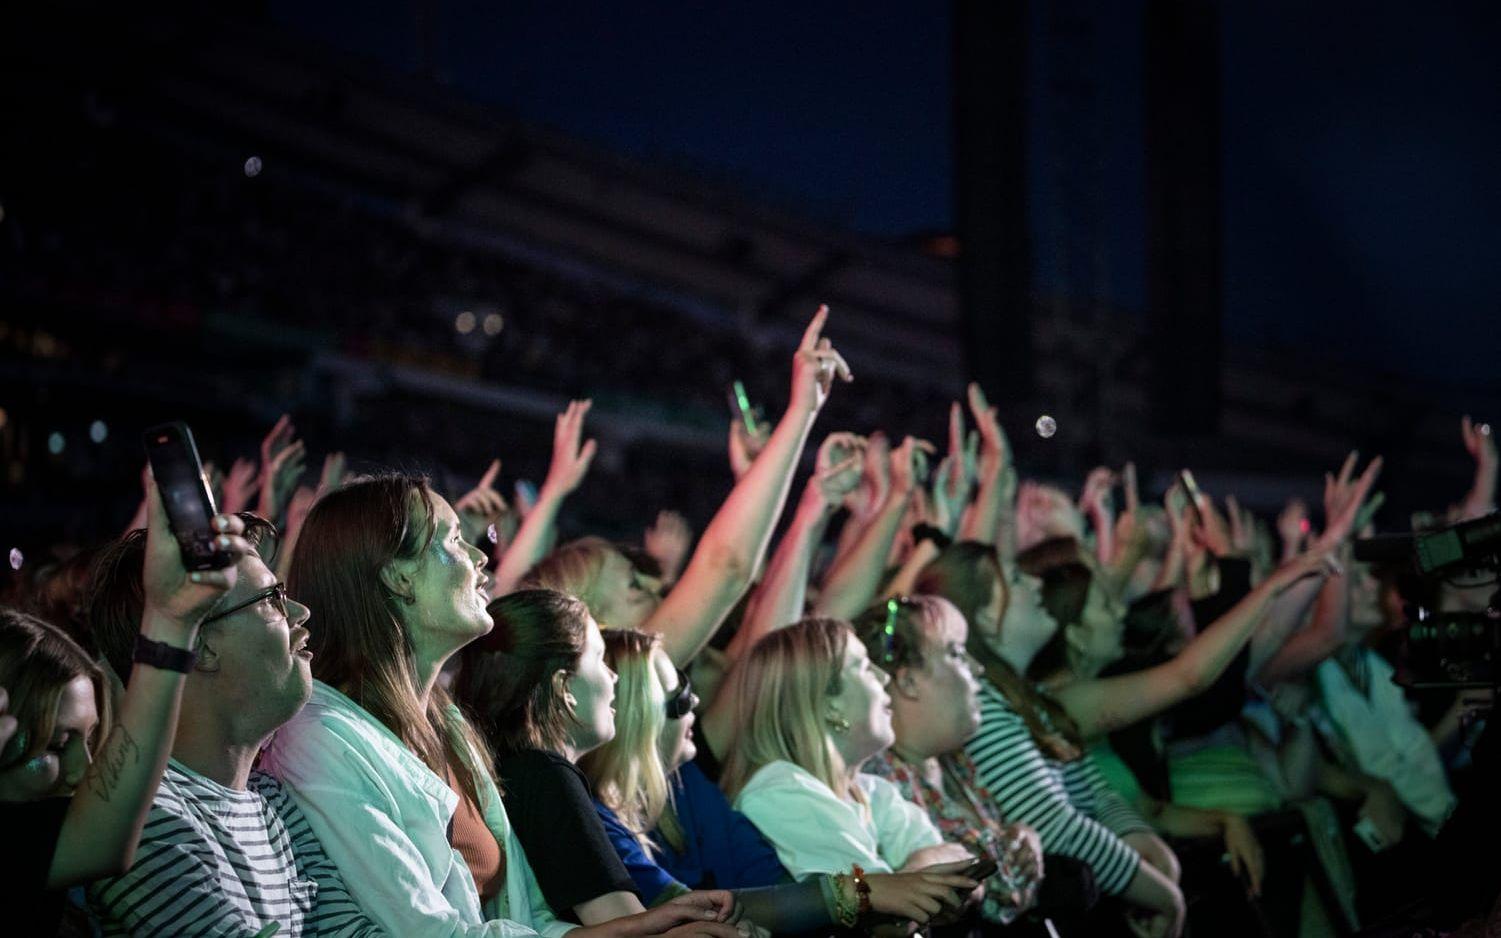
(921, 642)
(225, 850)
(673, 828)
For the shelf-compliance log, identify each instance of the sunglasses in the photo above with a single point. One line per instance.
(683, 700)
(277, 593)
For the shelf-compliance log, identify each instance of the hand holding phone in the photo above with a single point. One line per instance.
(185, 495)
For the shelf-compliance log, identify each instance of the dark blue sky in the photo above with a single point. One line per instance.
(1360, 200)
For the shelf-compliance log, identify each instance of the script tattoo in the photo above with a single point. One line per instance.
(118, 753)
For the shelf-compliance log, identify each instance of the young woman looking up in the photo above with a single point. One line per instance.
(921, 642)
(672, 828)
(543, 696)
(393, 779)
(811, 709)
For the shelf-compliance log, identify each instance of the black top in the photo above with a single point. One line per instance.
(551, 808)
(31, 832)
(707, 762)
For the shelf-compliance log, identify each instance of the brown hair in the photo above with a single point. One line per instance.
(359, 643)
(1066, 580)
(37, 661)
(966, 573)
(894, 631)
(506, 677)
(116, 597)
(577, 569)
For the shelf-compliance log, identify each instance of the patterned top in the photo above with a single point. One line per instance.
(965, 813)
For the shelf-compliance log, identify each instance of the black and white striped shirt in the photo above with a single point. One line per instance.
(216, 861)
(1070, 803)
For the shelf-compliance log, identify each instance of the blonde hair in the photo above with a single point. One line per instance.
(627, 772)
(577, 569)
(781, 690)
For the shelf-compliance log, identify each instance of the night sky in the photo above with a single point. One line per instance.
(1360, 139)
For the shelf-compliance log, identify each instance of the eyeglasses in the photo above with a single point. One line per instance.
(277, 593)
(683, 699)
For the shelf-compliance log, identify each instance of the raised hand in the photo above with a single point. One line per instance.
(239, 486)
(481, 506)
(746, 446)
(909, 465)
(875, 478)
(667, 541)
(1095, 497)
(1293, 527)
(177, 599)
(995, 449)
(1343, 496)
(282, 457)
(815, 366)
(1479, 441)
(332, 475)
(570, 460)
(838, 468)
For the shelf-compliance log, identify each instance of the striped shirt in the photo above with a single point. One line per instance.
(216, 861)
(1069, 803)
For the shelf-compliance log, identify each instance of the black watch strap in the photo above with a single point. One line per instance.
(928, 532)
(164, 656)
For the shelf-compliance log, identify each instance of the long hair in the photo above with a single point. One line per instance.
(577, 569)
(894, 631)
(37, 661)
(1066, 580)
(627, 772)
(781, 689)
(506, 677)
(359, 643)
(967, 573)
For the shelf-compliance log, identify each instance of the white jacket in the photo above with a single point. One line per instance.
(383, 816)
(1380, 733)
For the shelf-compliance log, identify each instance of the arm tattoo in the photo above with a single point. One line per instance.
(118, 753)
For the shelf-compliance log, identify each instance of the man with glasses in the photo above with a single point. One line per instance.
(224, 850)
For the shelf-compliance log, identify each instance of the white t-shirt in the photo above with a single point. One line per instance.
(815, 831)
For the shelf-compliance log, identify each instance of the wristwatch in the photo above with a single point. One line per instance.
(164, 656)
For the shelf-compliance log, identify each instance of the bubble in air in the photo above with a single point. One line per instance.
(16, 558)
(1046, 426)
(253, 167)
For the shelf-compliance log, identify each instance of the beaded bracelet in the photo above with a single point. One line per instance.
(846, 909)
(862, 889)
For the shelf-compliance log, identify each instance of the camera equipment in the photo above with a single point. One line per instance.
(1447, 649)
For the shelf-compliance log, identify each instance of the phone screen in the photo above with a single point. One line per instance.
(1191, 489)
(185, 494)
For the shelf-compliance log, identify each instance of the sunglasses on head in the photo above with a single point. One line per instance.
(277, 593)
(683, 700)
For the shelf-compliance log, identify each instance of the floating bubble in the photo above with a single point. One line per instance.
(16, 558)
(463, 323)
(98, 431)
(1485, 429)
(253, 167)
(1046, 426)
(492, 535)
(56, 443)
(493, 324)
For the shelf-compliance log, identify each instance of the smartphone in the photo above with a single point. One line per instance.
(1191, 489)
(982, 869)
(740, 406)
(185, 494)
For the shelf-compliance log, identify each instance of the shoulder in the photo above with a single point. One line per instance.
(525, 768)
(782, 776)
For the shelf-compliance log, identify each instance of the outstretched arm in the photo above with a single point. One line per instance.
(1482, 446)
(103, 825)
(570, 463)
(734, 543)
(988, 518)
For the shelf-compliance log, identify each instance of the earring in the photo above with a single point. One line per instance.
(571, 702)
(839, 725)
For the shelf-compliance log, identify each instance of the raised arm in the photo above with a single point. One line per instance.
(780, 598)
(1094, 502)
(570, 463)
(867, 498)
(988, 518)
(853, 583)
(735, 541)
(103, 825)
(1482, 446)
(1103, 705)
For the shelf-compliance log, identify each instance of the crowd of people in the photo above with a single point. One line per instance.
(930, 696)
